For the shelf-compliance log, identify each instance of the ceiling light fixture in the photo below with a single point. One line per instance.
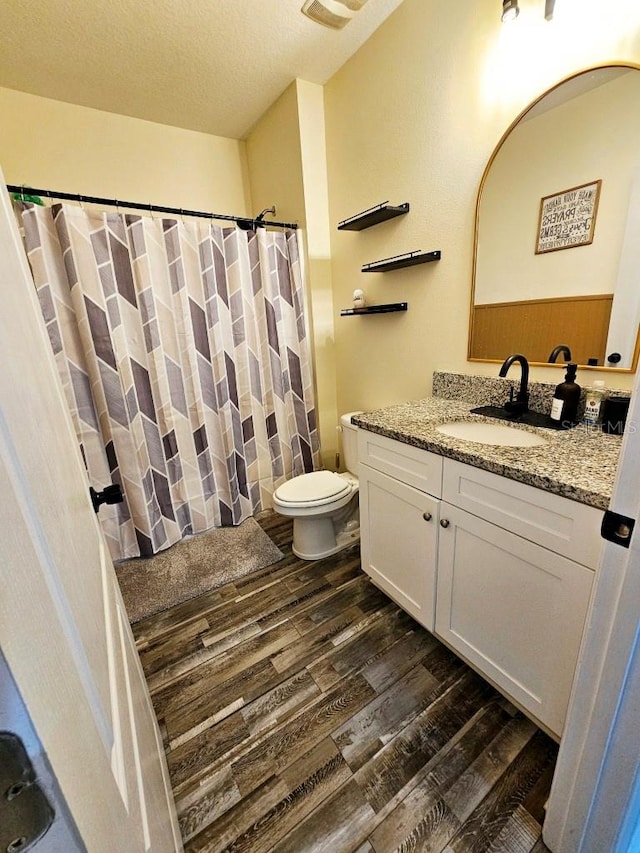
(510, 10)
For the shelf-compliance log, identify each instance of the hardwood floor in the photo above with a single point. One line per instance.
(302, 710)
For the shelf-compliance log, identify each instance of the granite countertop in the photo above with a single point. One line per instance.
(579, 464)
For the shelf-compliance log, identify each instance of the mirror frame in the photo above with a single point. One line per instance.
(485, 174)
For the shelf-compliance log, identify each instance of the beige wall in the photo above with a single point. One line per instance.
(275, 160)
(318, 234)
(60, 146)
(414, 116)
(51, 144)
(546, 155)
(287, 167)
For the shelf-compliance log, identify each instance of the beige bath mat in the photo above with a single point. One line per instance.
(193, 566)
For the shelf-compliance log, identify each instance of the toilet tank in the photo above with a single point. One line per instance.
(349, 443)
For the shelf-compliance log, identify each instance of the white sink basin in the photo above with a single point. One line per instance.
(484, 433)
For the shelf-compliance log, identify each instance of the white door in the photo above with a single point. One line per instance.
(595, 798)
(63, 628)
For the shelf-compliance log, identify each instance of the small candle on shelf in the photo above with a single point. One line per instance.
(358, 299)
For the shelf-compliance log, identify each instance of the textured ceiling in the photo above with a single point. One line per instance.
(208, 65)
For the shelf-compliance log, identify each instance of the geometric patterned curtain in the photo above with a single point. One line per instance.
(184, 354)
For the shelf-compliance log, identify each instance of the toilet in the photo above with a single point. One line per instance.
(324, 505)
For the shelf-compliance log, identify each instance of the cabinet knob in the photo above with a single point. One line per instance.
(427, 516)
(444, 522)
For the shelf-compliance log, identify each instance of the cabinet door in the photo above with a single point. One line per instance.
(399, 535)
(513, 609)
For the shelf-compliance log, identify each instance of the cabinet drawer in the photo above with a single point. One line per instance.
(564, 526)
(419, 468)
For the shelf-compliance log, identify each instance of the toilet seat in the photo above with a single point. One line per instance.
(322, 505)
(315, 489)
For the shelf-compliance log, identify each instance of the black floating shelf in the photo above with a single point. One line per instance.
(375, 309)
(372, 216)
(409, 259)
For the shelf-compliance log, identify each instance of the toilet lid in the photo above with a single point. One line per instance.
(308, 488)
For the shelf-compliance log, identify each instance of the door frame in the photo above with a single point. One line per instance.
(595, 794)
(63, 833)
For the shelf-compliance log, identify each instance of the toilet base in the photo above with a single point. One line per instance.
(315, 538)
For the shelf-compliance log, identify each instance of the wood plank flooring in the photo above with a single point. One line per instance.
(302, 710)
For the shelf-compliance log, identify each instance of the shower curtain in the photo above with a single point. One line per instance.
(184, 356)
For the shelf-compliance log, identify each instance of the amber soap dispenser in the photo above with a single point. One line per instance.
(564, 406)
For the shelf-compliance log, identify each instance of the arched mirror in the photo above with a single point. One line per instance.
(557, 243)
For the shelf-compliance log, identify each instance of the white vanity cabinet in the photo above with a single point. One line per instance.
(509, 567)
(399, 513)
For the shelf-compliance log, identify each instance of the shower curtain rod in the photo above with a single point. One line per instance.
(246, 223)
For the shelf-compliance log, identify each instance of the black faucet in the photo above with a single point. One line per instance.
(562, 348)
(521, 403)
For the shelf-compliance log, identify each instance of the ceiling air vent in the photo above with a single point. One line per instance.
(332, 13)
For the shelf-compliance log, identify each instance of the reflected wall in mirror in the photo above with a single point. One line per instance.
(586, 297)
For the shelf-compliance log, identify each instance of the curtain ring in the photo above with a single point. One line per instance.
(151, 210)
(81, 200)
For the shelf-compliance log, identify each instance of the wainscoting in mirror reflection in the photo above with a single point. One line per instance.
(587, 298)
(537, 326)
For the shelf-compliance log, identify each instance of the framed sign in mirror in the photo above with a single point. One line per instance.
(568, 218)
